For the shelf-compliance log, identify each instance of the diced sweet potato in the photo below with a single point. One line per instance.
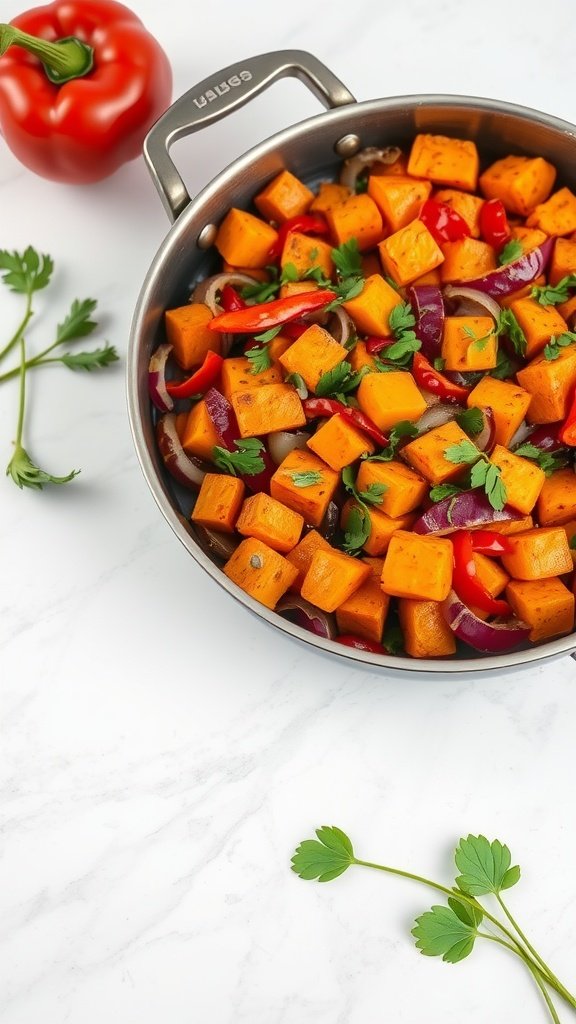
(557, 216)
(539, 324)
(305, 252)
(418, 567)
(425, 630)
(364, 613)
(199, 435)
(360, 357)
(388, 398)
(376, 566)
(546, 605)
(236, 375)
(371, 309)
(521, 182)
(445, 161)
(568, 311)
(218, 502)
(557, 501)
(329, 196)
(339, 444)
(312, 354)
(509, 404)
(267, 519)
(296, 288)
(382, 526)
(465, 259)
(262, 410)
(469, 343)
(310, 501)
(490, 574)
(302, 554)
(244, 240)
(466, 205)
(550, 383)
(426, 454)
(529, 238)
(404, 488)
(399, 166)
(522, 478)
(399, 198)
(563, 260)
(538, 554)
(284, 197)
(188, 332)
(432, 277)
(332, 578)
(513, 525)
(358, 217)
(409, 253)
(278, 346)
(261, 572)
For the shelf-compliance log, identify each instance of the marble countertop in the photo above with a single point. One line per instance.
(162, 750)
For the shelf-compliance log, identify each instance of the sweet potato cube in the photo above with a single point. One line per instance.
(218, 502)
(445, 161)
(244, 240)
(278, 346)
(358, 217)
(258, 275)
(312, 500)
(296, 288)
(268, 520)
(426, 454)
(399, 166)
(425, 630)
(388, 398)
(199, 435)
(312, 354)
(513, 525)
(491, 574)
(339, 444)
(332, 578)
(305, 252)
(284, 197)
(364, 613)
(520, 182)
(260, 571)
(550, 383)
(382, 527)
(262, 410)
(236, 375)
(399, 198)
(466, 205)
(557, 501)
(522, 478)
(539, 324)
(547, 606)
(360, 357)
(329, 196)
(404, 488)
(188, 332)
(465, 259)
(376, 566)
(469, 343)
(509, 404)
(538, 554)
(557, 216)
(301, 555)
(563, 260)
(418, 567)
(567, 310)
(529, 238)
(409, 253)
(371, 309)
(432, 277)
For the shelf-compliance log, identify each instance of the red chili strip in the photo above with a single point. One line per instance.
(200, 381)
(306, 224)
(265, 315)
(431, 380)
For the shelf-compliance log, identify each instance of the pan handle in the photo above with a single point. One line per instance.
(220, 95)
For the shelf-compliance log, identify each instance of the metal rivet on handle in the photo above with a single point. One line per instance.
(347, 146)
(207, 236)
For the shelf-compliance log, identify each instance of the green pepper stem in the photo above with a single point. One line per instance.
(62, 60)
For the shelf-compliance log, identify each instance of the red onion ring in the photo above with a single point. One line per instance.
(504, 280)
(471, 302)
(308, 616)
(157, 379)
(186, 470)
(207, 291)
(462, 512)
(428, 307)
(366, 158)
(345, 328)
(437, 415)
(486, 637)
(484, 441)
(214, 543)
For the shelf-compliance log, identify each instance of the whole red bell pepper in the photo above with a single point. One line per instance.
(465, 578)
(436, 383)
(494, 226)
(443, 223)
(306, 224)
(314, 407)
(270, 314)
(200, 381)
(81, 82)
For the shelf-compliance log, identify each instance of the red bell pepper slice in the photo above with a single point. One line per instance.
(436, 383)
(567, 433)
(360, 644)
(488, 542)
(494, 226)
(271, 314)
(306, 224)
(376, 345)
(443, 223)
(465, 579)
(230, 300)
(200, 381)
(314, 407)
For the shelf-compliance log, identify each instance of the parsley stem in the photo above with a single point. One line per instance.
(22, 395)
(19, 330)
(553, 979)
(30, 364)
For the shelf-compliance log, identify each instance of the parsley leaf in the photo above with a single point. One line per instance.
(551, 295)
(393, 640)
(511, 251)
(373, 495)
(463, 453)
(441, 932)
(262, 291)
(439, 363)
(402, 429)
(25, 473)
(572, 542)
(299, 383)
(340, 380)
(95, 360)
(306, 478)
(504, 366)
(25, 272)
(484, 474)
(548, 461)
(326, 858)
(554, 347)
(509, 326)
(485, 866)
(358, 528)
(471, 421)
(441, 491)
(477, 343)
(259, 359)
(347, 259)
(269, 335)
(246, 461)
(77, 323)
(401, 318)
(401, 321)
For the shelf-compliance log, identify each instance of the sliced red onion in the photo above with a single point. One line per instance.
(545, 437)
(213, 542)
(428, 308)
(307, 616)
(329, 525)
(437, 415)
(484, 441)
(183, 467)
(471, 302)
(157, 379)
(224, 419)
(282, 442)
(487, 637)
(504, 280)
(464, 380)
(345, 328)
(208, 290)
(366, 158)
(463, 512)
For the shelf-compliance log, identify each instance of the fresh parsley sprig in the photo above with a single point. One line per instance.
(484, 473)
(479, 344)
(339, 381)
(509, 326)
(24, 273)
(554, 347)
(350, 276)
(401, 322)
(402, 430)
(548, 462)
(553, 294)
(245, 461)
(471, 421)
(441, 491)
(373, 495)
(510, 252)
(450, 930)
(259, 358)
(358, 526)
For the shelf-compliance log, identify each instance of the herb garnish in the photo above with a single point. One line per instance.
(348, 263)
(477, 343)
(484, 473)
(401, 321)
(306, 477)
(358, 526)
(259, 358)
(553, 294)
(509, 326)
(554, 347)
(471, 421)
(441, 491)
(402, 429)
(547, 461)
(373, 494)
(511, 251)
(246, 461)
(339, 381)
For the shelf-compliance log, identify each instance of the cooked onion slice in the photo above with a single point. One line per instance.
(487, 436)
(487, 637)
(509, 278)
(213, 542)
(428, 307)
(157, 379)
(282, 442)
(366, 158)
(188, 471)
(345, 328)
(329, 524)
(208, 290)
(462, 512)
(437, 415)
(306, 615)
(471, 302)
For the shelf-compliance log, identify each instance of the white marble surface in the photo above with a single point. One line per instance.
(162, 750)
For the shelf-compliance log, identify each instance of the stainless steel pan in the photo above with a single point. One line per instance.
(312, 149)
